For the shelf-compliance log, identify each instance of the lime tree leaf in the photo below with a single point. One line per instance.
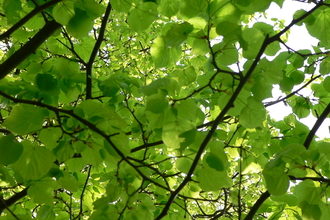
(172, 130)
(292, 152)
(254, 38)
(229, 30)
(300, 106)
(35, 161)
(190, 9)
(271, 71)
(227, 55)
(121, 6)
(46, 212)
(177, 34)
(10, 150)
(93, 8)
(326, 84)
(156, 105)
(187, 109)
(319, 28)
(50, 136)
(42, 191)
(262, 89)
(183, 164)
(307, 191)
(211, 180)
(80, 24)
(290, 199)
(25, 119)
(69, 182)
(121, 142)
(63, 12)
(186, 76)
(12, 9)
(277, 180)
(325, 67)
(214, 162)
(168, 8)
(47, 83)
(141, 17)
(253, 114)
(164, 56)
(311, 211)
(153, 87)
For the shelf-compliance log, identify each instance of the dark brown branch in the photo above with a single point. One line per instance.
(83, 192)
(30, 47)
(292, 93)
(257, 205)
(4, 204)
(97, 45)
(316, 126)
(27, 17)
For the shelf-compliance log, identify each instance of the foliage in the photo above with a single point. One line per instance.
(157, 109)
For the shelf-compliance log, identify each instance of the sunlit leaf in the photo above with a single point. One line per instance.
(253, 114)
(25, 119)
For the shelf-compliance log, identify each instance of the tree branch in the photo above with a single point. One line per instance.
(20, 55)
(316, 126)
(97, 45)
(257, 205)
(27, 18)
(4, 204)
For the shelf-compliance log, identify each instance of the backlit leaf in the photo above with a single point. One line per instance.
(25, 119)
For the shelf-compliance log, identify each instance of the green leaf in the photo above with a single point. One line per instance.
(307, 191)
(177, 34)
(164, 56)
(172, 130)
(226, 55)
(156, 105)
(271, 71)
(211, 180)
(25, 119)
(300, 106)
(42, 191)
(326, 84)
(63, 12)
(189, 9)
(229, 30)
(50, 137)
(254, 37)
(319, 28)
(46, 83)
(10, 150)
(35, 162)
(69, 182)
(141, 17)
(276, 179)
(183, 164)
(186, 76)
(121, 6)
(12, 9)
(325, 67)
(214, 162)
(46, 212)
(253, 114)
(168, 8)
(80, 25)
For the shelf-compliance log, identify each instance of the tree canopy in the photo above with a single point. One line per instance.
(157, 109)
